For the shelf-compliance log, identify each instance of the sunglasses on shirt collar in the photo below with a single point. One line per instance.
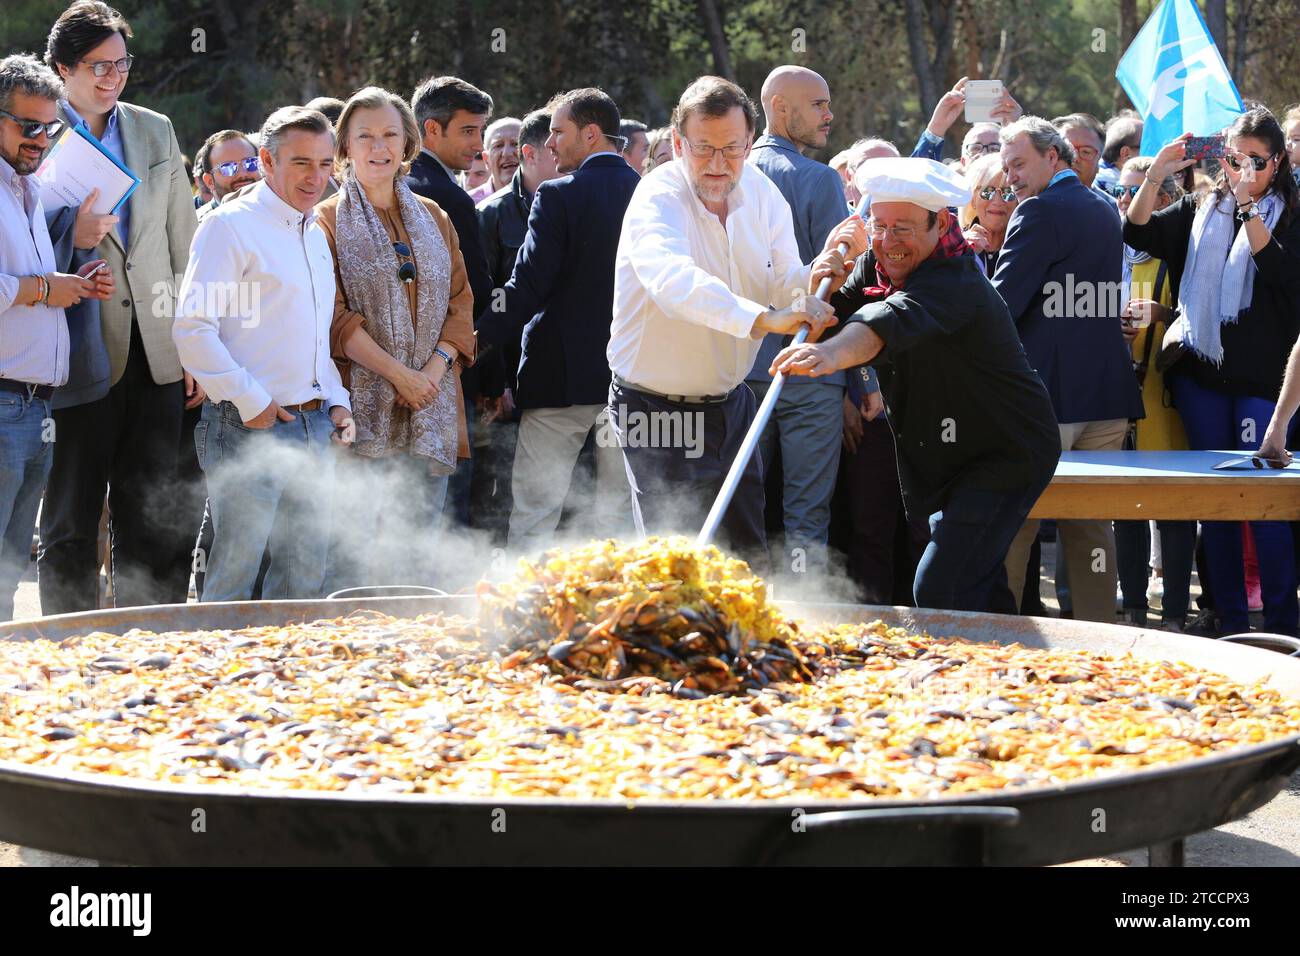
(406, 267)
(32, 128)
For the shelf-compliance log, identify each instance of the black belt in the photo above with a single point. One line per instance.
(27, 388)
(621, 382)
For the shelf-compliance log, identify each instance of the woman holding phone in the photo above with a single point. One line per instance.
(1234, 270)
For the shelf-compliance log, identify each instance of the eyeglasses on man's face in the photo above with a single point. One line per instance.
(1259, 162)
(31, 128)
(974, 150)
(249, 165)
(100, 67)
(702, 151)
(904, 233)
(1006, 192)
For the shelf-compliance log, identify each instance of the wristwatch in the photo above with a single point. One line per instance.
(445, 357)
(1247, 212)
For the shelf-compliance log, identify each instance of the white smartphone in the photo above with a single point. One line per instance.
(982, 97)
(96, 269)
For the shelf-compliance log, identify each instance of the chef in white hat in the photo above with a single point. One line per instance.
(973, 425)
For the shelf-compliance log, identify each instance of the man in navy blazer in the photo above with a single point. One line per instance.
(1060, 274)
(451, 114)
(561, 299)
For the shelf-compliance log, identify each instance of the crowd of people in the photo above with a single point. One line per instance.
(307, 360)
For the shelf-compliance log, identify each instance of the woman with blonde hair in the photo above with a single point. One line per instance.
(659, 149)
(984, 220)
(403, 328)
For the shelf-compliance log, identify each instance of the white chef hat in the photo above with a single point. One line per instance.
(923, 182)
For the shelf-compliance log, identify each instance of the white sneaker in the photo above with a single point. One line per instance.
(1155, 588)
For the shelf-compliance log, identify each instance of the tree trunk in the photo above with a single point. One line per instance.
(717, 38)
(1240, 31)
(1216, 18)
(1128, 27)
(927, 84)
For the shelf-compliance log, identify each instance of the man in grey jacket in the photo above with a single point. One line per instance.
(123, 434)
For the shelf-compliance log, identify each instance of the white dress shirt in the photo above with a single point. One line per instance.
(687, 290)
(33, 338)
(254, 310)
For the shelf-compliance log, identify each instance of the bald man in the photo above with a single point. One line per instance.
(808, 419)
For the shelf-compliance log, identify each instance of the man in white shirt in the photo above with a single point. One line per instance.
(252, 326)
(33, 295)
(707, 265)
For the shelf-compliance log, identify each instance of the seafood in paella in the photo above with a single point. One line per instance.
(743, 705)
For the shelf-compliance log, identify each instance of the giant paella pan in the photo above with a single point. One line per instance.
(643, 704)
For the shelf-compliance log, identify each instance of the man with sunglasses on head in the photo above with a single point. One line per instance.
(34, 292)
(229, 164)
(120, 428)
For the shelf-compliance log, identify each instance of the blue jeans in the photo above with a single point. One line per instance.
(964, 565)
(266, 487)
(1216, 421)
(25, 459)
(386, 524)
(808, 421)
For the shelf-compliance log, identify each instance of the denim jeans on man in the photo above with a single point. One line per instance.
(25, 457)
(266, 487)
(808, 421)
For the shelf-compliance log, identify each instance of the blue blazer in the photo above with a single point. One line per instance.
(560, 297)
(1060, 273)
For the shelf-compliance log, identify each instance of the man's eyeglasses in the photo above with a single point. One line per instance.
(250, 165)
(1087, 152)
(1259, 162)
(901, 233)
(406, 267)
(100, 67)
(981, 149)
(1118, 191)
(707, 152)
(988, 192)
(33, 128)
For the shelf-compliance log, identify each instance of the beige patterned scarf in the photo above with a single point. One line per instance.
(368, 266)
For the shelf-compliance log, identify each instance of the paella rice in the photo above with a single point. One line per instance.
(423, 706)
